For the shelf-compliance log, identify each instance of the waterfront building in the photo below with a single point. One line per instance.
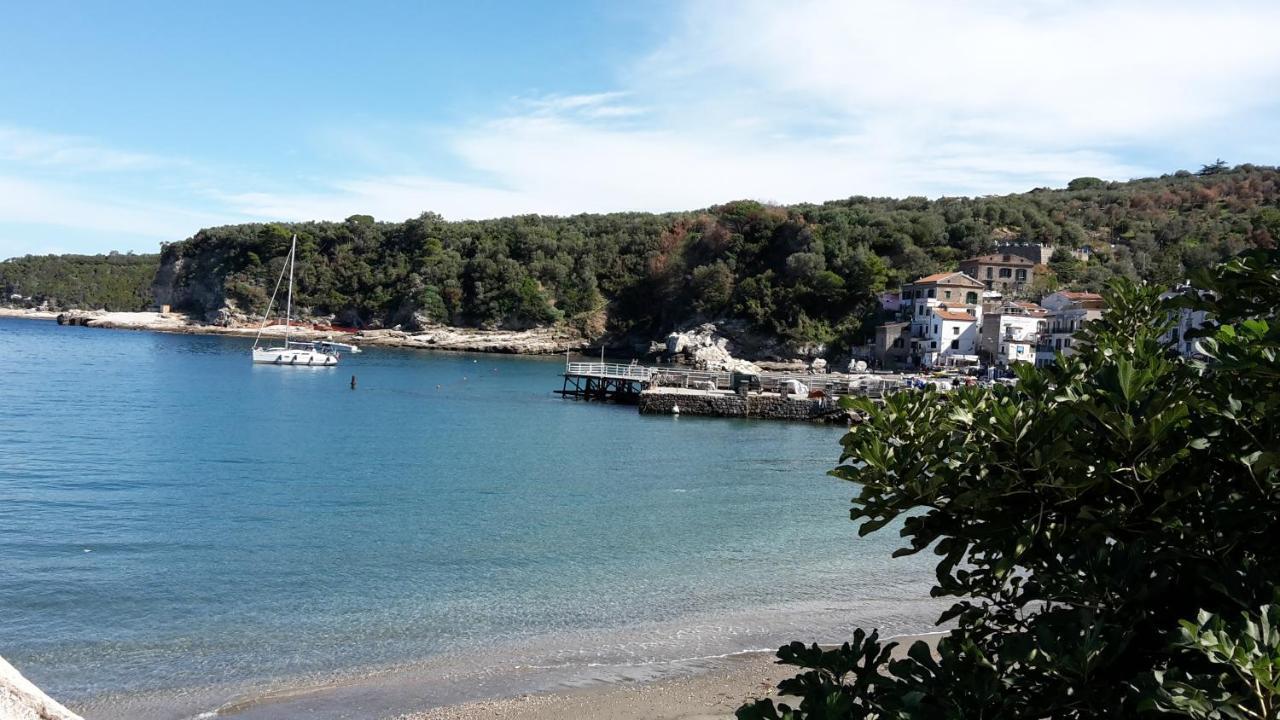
(892, 345)
(950, 292)
(950, 338)
(1010, 333)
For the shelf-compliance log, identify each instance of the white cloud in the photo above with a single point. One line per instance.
(38, 202)
(799, 101)
(73, 153)
(824, 99)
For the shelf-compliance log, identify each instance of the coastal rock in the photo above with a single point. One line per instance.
(706, 349)
(20, 699)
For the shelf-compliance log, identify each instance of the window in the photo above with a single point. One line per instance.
(931, 291)
(971, 298)
(935, 330)
(1022, 276)
(955, 344)
(933, 344)
(988, 272)
(1006, 272)
(955, 329)
(946, 294)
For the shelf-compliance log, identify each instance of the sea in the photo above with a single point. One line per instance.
(184, 534)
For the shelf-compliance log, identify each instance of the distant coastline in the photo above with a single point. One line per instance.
(535, 341)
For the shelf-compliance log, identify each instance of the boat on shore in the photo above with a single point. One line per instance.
(310, 354)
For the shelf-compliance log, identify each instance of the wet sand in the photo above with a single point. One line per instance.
(713, 694)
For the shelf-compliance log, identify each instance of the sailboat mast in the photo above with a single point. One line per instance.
(288, 310)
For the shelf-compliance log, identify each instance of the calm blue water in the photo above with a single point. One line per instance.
(180, 528)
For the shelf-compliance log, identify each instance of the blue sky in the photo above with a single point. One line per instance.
(124, 125)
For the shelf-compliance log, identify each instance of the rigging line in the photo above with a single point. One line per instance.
(270, 304)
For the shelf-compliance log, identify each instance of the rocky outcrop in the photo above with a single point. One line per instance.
(191, 284)
(20, 699)
(538, 341)
(706, 349)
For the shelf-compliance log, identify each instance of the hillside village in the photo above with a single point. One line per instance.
(978, 316)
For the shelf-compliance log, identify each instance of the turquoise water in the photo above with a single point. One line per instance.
(180, 529)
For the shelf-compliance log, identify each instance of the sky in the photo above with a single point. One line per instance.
(125, 125)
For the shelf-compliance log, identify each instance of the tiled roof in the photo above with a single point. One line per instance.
(1080, 295)
(942, 276)
(935, 277)
(948, 315)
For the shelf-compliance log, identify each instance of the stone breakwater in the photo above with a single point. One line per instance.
(663, 401)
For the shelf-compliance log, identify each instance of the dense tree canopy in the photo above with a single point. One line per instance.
(1108, 528)
(115, 282)
(807, 273)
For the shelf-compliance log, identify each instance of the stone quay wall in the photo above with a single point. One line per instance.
(656, 401)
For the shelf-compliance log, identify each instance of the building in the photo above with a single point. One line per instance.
(1039, 253)
(950, 338)
(1064, 299)
(1002, 271)
(891, 302)
(892, 345)
(1068, 313)
(1185, 321)
(1010, 333)
(949, 290)
(918, 337)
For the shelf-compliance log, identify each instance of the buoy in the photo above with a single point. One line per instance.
(353, 382)
(675, 409)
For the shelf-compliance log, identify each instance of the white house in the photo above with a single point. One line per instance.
(1010, 333)
(1185, 321)
(949, 338)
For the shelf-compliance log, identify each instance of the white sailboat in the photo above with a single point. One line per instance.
(291, 353)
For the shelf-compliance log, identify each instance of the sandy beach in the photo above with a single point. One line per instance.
(712, 694)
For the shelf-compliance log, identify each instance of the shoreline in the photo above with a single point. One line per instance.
(536, 341)
(712, 691)
(694, 688)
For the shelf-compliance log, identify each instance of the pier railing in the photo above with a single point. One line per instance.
(609, 370)
(832, 385)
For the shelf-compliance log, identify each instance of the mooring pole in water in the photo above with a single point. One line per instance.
(353, 382)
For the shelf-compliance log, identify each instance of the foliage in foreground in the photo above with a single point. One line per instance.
(1108, 528)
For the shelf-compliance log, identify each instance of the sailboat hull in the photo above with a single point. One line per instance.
(293, 357)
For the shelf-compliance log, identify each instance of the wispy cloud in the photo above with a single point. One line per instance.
(70, 205)
(825, 98)
(22, 146)
(809, 100)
